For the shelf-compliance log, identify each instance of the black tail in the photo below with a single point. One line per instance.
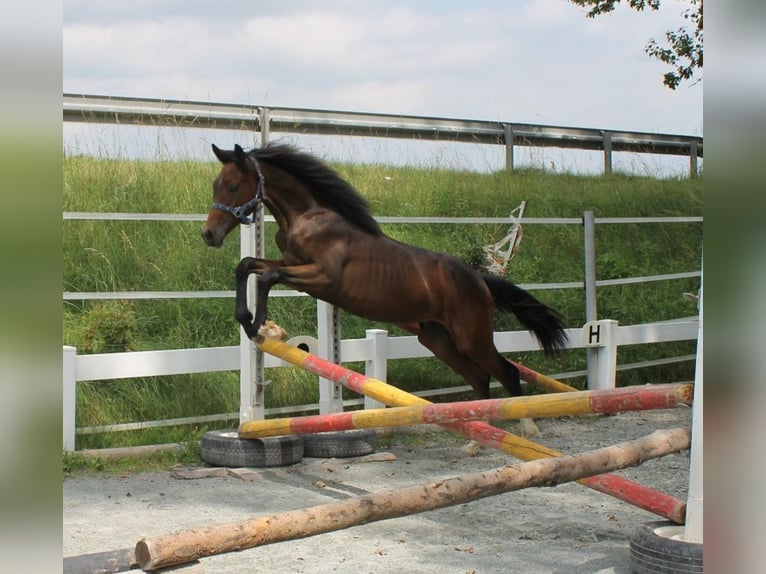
(535, 315)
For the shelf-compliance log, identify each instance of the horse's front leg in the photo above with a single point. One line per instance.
(242, 313)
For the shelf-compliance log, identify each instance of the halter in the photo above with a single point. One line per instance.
(241, 211)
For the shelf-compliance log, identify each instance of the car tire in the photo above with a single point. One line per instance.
(340, 444)
(656, 548)
(225, 448)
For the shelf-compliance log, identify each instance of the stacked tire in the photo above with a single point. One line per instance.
(225, 448)
(658, 548)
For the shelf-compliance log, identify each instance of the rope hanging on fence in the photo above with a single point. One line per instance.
(498, 256)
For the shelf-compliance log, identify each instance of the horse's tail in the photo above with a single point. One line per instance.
(535, 315)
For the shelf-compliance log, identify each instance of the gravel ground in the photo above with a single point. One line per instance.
(564, 529)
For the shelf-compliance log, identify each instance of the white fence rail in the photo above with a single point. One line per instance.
(102, 367)
(225, 294)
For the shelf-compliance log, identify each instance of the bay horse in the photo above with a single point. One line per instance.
(333, 249)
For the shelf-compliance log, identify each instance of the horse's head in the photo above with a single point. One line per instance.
(237, 192)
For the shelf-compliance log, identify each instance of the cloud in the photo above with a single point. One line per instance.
(536, 61)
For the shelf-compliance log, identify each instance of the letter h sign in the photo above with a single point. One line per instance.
(601, 336)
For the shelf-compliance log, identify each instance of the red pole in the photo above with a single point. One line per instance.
(536, 406)
(649, 499)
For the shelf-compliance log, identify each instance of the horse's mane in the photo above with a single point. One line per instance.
(324, 183)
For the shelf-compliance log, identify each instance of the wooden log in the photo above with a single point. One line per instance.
(108, 562)
(189, 545)
(538, 406)
(120, 562)
(641, 496)
(195, 567)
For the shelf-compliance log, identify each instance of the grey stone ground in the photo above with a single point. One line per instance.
(565, 529)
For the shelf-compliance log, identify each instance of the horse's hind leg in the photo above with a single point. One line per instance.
(438, 340)
(480, 349)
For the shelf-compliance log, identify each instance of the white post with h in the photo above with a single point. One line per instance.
(602, 337)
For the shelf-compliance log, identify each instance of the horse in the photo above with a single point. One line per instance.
(334, 250)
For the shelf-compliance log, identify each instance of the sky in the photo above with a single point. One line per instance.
(526, 61)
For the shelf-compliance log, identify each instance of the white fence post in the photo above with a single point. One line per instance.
(601, 336)
(377, 365)
(328, 335)
(252, 378)
(694, 502)
(69, 396)
(251, 373)
(591, 311)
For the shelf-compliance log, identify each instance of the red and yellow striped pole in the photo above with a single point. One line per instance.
(641, 496)
(539, 406)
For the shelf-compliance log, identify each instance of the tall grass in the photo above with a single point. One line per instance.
(168, 256)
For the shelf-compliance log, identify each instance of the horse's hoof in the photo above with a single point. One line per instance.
(528, 428)
(244, 319)
(250, 330)
(271, 330)
(470, 449)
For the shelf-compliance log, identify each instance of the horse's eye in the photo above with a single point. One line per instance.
(233, 188)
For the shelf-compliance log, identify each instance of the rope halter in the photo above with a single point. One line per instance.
(241, 211)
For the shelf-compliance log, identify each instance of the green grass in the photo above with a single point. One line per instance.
(169, 256)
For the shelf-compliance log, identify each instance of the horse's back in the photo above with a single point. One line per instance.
(387, 280)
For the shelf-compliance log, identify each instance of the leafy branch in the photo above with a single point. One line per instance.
(682, 49)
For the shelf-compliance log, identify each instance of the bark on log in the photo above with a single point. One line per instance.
(120, 562)
(186, 546)
(109, 562)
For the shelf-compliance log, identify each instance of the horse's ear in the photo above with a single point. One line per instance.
(240, 158)
(223, 156)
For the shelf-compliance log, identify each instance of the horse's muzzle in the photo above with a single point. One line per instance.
(211, 239)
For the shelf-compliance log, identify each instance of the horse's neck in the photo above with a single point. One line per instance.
(285, 196)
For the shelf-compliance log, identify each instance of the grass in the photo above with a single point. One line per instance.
(169, 256)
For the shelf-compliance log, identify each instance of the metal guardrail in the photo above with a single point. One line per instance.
(194, 114)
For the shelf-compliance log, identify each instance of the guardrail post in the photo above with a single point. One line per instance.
(607, 152)
(264, 125)
(69, 396)
(693, 159)
(377, 365)
(328, 327)
(508, 135)
(600, 338)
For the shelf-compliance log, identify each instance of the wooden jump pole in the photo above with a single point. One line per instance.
(185, 546)
(641, 496)
(545, 382)
(538, 406)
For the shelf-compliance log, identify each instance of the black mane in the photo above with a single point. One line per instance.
(327, 187)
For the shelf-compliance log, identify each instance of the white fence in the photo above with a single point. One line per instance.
(375, 350)
(602, 338)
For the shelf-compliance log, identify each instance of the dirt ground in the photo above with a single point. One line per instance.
(564, 529)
